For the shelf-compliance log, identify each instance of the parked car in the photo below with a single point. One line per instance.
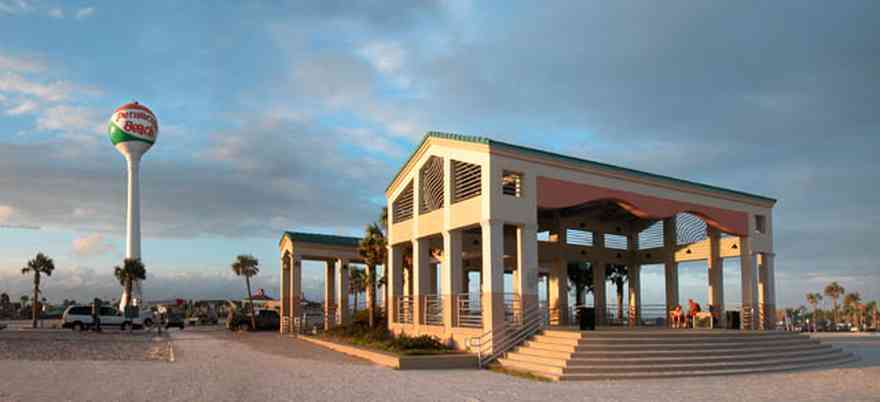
(174, 319)
(265, 320)
(79, 317)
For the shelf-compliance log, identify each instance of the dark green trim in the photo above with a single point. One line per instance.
(330, 240)
(547, 154)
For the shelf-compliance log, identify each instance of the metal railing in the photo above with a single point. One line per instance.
(405, 309)
(433, 311)
(493, 344)
(470, 311)
(512, 308)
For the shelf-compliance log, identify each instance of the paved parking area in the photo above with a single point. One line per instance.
(212, 364)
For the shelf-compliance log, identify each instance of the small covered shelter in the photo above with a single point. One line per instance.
(336, 252)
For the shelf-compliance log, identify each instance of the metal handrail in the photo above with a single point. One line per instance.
(494, 343)
(433, 312)
(470, 314)
(405, 309)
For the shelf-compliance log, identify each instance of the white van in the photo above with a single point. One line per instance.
(78, 317)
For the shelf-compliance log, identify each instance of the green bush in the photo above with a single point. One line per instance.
(382, 339)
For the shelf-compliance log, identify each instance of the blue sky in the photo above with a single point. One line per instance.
(296, 116)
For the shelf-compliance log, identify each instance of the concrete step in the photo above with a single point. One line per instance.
(536, 351)
(696, 367)
(673, 333)
(556, 340)
(685, 353)
(534, 368)
(698, 359)
(844, 359)
(545, 361)
(687, 340)
(694, 346)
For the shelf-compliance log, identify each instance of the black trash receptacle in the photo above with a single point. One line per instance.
(732, 320)
(586, 317)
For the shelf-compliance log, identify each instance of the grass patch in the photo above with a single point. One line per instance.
(380, 338)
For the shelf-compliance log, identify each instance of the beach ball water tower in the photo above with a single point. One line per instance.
(133, 129)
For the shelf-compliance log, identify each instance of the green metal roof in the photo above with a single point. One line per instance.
(570, 159)
(330, 240)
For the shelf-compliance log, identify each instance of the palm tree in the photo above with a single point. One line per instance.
(834, 290)
(5, 303)
(373, 248)
(814, 299)
(39, 265)
(853, 302)
(581, 276)
(617, 274)
(357, 284)
(872, 308)
(247, 266)
(131, 271)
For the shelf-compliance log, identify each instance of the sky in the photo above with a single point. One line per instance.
(295, 116)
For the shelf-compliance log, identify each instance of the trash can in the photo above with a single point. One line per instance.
(732, 320)
(586, 317)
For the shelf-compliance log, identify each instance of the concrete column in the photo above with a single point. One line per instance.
(716, 275)
(420, 273)
(295, 287)
(599, 297)
(285, 289)
(394, 281)
(558, 288)
(451, 276)
(493, 275)
(749, 311)
(525, 281)
(329, 294)
(766, 291)
(342, 292)
(670, 269)
(634, 275)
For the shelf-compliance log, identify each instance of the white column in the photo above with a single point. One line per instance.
(526, 279)
(634, 275)
(329, 294)
(557, 286)
(285, 290)
(670, 238)
(295, 287)
(493, 275)
(420, 272)
(766, 291)
(716, 275)
(749, 284)
(394, 281)
(342, 292)
(451, 274)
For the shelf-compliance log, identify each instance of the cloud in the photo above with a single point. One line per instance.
(25, 107)
(21, 64)
(51, 92)
(56, 13)
(5, 212)
(92, 245)
(15, 7)
(70, 119)
(84, 13)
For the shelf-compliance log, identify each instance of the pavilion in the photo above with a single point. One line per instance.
(465, 209)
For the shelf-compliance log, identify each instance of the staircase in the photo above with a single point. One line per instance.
(568, 355)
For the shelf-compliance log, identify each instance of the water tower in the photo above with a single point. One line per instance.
(133, 129)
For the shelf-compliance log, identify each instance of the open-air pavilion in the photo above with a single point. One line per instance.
(465, 204)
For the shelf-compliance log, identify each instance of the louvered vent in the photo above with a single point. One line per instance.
(467, 180)
(511, 184)
(431, 183)
(652, 236)
(617, 242)
(578, 237)
(403, 205)
(690, 228)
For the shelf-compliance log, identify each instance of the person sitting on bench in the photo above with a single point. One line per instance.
(677, 317)
(693, 309)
